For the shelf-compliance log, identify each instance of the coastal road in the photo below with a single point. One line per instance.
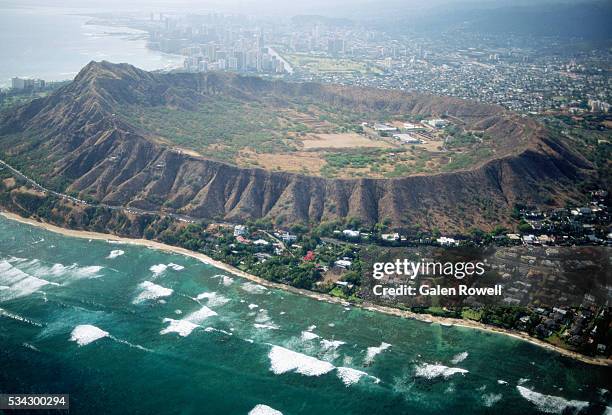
(41, 188)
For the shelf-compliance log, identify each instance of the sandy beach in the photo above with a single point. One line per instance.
(317, 296)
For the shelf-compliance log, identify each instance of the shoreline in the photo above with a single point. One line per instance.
(425, 318)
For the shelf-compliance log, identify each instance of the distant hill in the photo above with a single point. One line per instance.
(76, 140)
(312, 19)
(587, 19)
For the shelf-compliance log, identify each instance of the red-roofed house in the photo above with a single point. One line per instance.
(310, 256)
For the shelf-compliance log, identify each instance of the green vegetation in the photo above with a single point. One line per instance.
(337, 161)
(471, 314)
(34, 158)
(14, 98)
(466, 160)
(324, 64)
(226, 125)
(239, 130)
(589, 136)
(225, 121)
(10, 101)
(462, 139)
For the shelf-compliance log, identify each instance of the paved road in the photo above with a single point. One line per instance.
(36, 185)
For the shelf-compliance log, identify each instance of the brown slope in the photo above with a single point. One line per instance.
(109, 160)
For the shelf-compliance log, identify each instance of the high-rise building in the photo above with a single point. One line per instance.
(241, 60)
(252, 60)
(26, 83)
(232, 63)
(211, 52)
(260, 41)
(18, 83)
(335, 46)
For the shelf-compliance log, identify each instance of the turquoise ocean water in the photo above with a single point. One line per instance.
(125, 329)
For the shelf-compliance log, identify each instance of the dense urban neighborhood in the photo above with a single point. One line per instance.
(544, 75)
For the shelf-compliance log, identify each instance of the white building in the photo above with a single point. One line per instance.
(350, 233)
(288, 238)
(407, 139)
(437, 123)
(412, 127)
(599, 106)
(384, 128)
(530, 239)
(27, 83)
(240, 230)
(343, 263)
(390, 236)
(445, 241)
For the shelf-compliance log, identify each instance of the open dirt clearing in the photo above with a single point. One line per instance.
(343, 140)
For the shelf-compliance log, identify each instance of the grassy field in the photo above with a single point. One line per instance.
(228, 124)
(323, 64)
(303, 137)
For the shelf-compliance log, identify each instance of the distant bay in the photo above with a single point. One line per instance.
(55, 43)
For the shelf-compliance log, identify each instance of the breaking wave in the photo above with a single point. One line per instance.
(30, 346)
(182, 327)
(551, 404)
(253, 288)
(264, 410)
(213, 299)
(127, 343)
(158, 269)
(19, 278)
(17, 317)
(17, 283)
(176, 267)
(459, 357)
(372, 352)
(350, 376)
(151, 291)
(70, 272)
(115, 253)
(266, 326)
(211, 329)
(264, 321)
(308, 335)
(86, 333)
(331, 344)
(431, 371)
(161, 268)
(284, 360)
(491, 399)
(225, 280)
(185, 326)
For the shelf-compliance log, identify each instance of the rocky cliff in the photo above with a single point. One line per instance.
(76, 135)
